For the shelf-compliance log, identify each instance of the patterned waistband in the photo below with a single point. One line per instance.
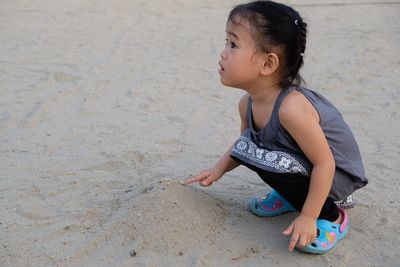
(276, 161)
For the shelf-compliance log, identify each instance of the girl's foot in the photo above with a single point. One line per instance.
(328, 234)
(339, 220)
(272, 204)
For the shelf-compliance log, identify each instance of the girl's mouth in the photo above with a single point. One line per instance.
(221, 68)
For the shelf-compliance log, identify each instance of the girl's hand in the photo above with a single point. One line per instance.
(205, 178)
(303, 230)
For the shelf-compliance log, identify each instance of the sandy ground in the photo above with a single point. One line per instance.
(105, 105)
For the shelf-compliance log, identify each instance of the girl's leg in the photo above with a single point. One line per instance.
(294, 188)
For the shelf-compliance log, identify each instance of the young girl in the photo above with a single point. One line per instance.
(292, 137)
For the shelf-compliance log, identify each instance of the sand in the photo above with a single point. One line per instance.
(106, 105)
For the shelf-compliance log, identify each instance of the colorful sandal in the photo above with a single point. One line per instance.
(329, 234)
(272, 204)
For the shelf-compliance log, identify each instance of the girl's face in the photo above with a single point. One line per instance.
(240, 62)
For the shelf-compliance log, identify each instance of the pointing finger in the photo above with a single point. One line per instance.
(197, 178)
(207, 182)
(293, 241)
(288, 230)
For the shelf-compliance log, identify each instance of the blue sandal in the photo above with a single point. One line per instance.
(272, 204)
(329, 234)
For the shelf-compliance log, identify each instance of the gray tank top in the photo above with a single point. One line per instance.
(273, 149)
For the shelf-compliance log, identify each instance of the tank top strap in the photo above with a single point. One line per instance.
(249, 113)
(249, 103)
(274, 120)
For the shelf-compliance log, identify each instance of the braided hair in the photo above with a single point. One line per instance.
(274, 24)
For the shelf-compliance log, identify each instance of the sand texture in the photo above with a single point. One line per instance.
(106, 105)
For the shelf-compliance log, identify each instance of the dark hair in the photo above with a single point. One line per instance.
(274, 24)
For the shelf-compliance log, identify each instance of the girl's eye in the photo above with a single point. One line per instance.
(230, 43)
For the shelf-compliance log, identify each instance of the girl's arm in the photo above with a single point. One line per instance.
(298, 116)
(225, 163)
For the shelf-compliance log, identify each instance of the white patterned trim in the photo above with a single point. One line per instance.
(281, 161)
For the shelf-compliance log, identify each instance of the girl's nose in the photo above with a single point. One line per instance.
(223, 53)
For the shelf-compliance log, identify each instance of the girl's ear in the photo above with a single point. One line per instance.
(270, 65)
